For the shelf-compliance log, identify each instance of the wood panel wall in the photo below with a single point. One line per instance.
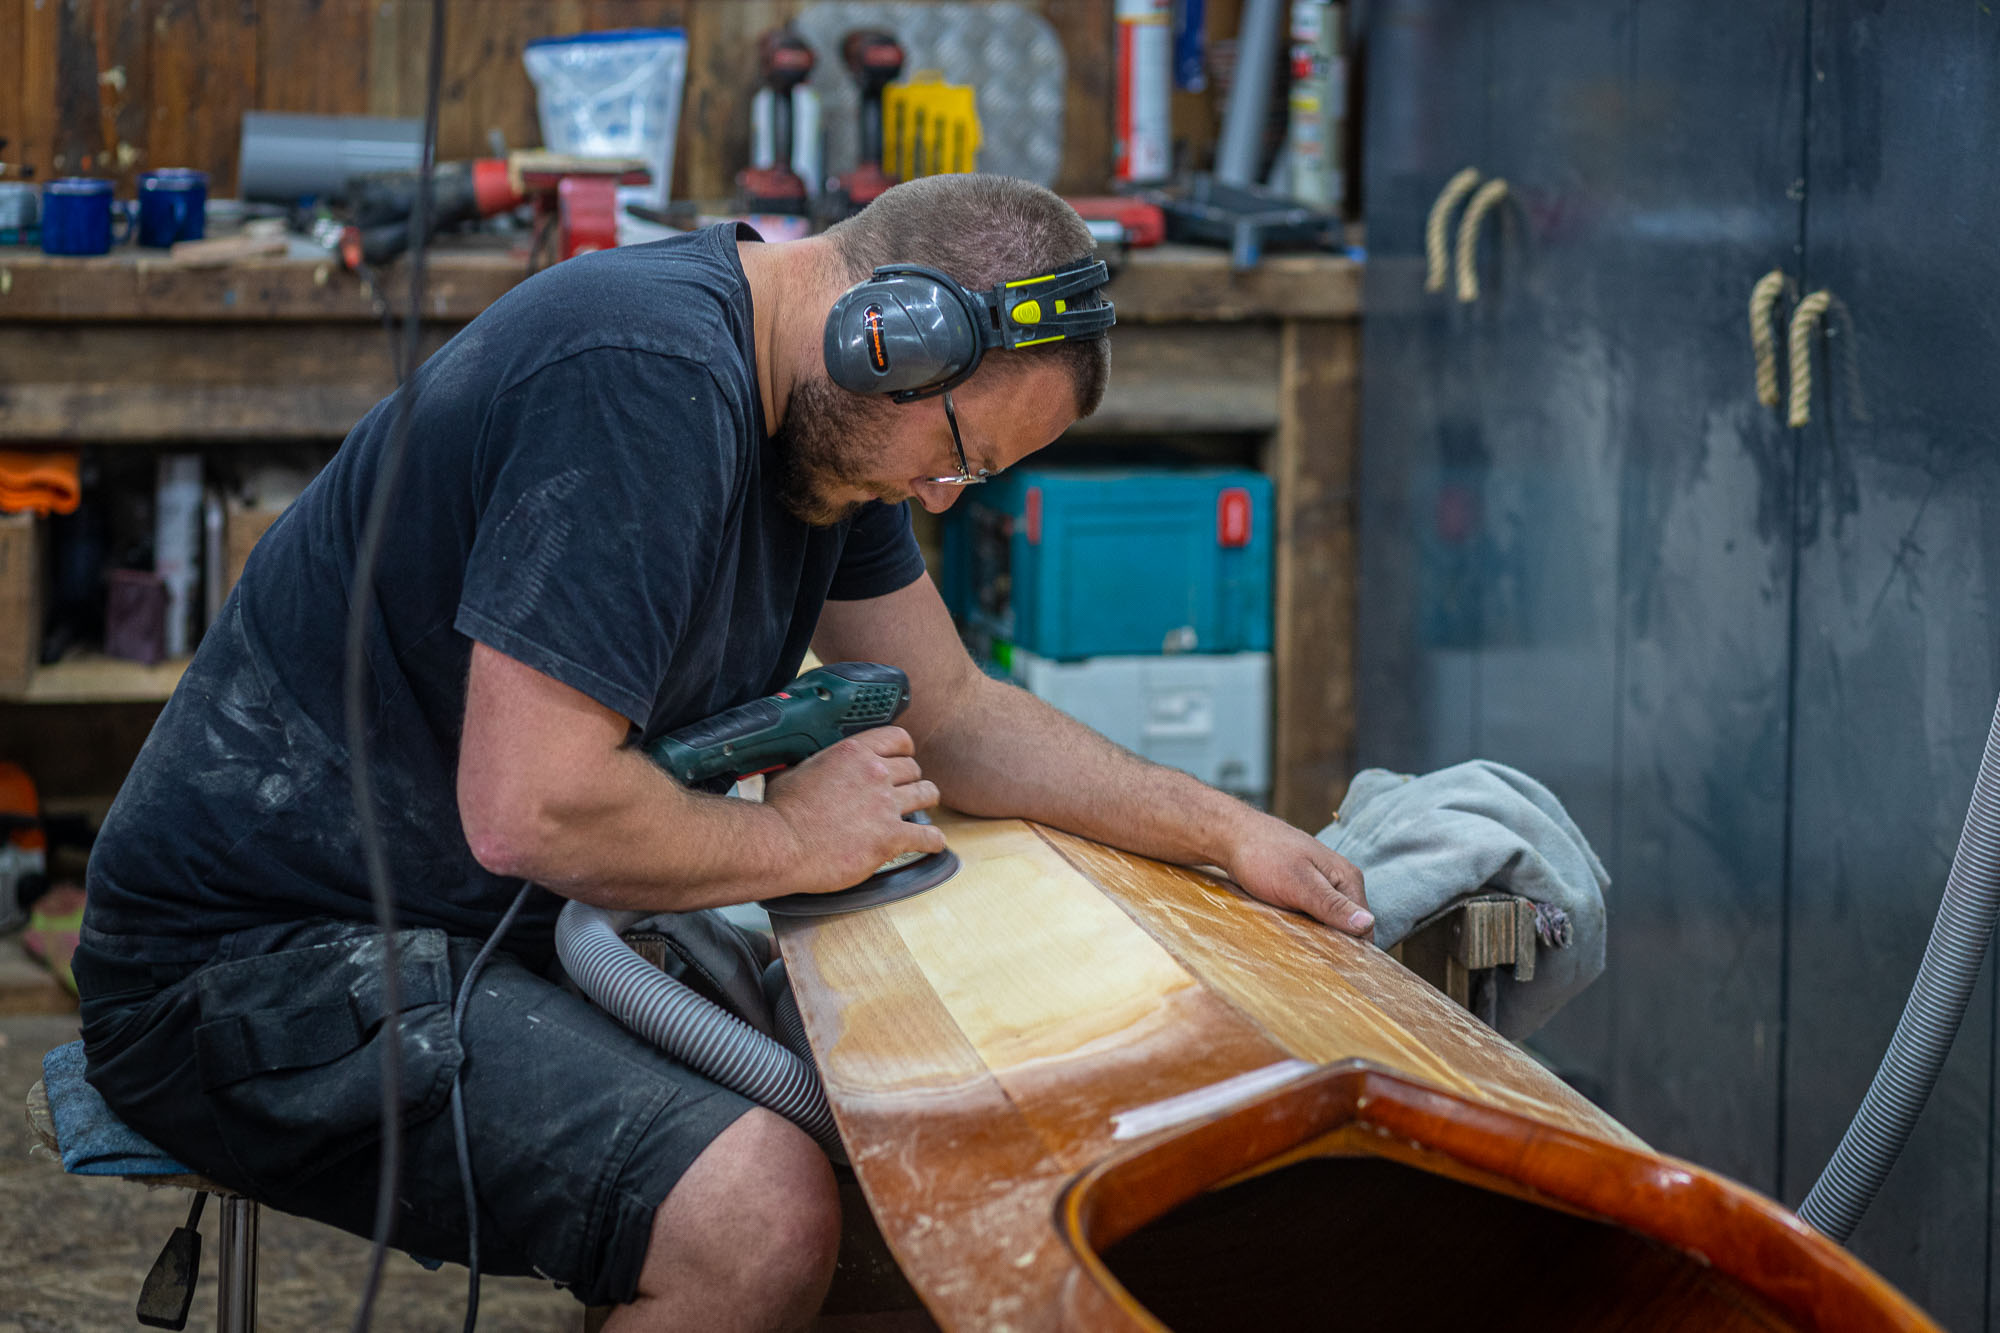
(112, 87)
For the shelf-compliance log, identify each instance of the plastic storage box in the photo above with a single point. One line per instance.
(1071, 564)
(1205, 715)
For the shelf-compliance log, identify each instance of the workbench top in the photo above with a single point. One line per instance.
(465, 275)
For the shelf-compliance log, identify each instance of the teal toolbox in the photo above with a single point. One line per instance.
(1080, 563)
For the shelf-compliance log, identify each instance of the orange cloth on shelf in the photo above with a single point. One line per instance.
(40, 483)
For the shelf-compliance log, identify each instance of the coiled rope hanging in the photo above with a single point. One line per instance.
(1437, 229)
(1805, 321)
(1763, 341)
(1490, 195)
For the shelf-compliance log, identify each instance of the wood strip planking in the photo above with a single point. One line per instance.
(79, 133)
(1324, 997)
(977, 1041)
(1085, 28)
(1166, 285)
(147, 286)
(204, 76)
(1317, 445)
(398, 38)
(1078, 1013)
(941, 1152)
(486, 86)
(126, 37)
(1239, 947)
(721, 79)
(312, 56)
(14, 16)
(1028, 967)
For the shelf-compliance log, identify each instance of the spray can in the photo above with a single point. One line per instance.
(1318, 100)
(1145, 72)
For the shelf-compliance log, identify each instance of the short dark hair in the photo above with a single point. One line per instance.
(981, 230)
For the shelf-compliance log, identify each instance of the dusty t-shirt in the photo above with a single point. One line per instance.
(587, 491)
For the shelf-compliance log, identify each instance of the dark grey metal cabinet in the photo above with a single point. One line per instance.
(1703, 203)
(1898, 653)
(1427, 125)
(1756, 661)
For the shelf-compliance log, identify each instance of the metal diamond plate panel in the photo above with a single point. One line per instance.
(1008, 53)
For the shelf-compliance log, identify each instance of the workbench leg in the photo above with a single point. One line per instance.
(1313, 464)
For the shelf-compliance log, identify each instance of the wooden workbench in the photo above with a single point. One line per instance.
(130, 349)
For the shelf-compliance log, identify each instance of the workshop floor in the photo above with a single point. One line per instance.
(73, 1250)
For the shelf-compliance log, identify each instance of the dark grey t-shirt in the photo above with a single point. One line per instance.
(586, 491)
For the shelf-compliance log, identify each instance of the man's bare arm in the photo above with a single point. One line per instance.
(548, 791)
(996, 750)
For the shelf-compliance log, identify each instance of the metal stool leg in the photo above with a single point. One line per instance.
(236, 1277)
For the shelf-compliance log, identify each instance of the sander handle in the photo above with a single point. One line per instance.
(820, 708)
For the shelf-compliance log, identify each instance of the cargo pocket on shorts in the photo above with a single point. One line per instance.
(289, 1050)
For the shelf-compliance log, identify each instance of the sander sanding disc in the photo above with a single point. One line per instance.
(894, 883)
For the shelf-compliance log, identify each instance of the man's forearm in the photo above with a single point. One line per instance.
(1004, 752)
(629, 836)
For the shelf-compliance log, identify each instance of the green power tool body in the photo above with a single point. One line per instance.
(824, 706)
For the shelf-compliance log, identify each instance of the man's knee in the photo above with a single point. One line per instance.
(757, 1211)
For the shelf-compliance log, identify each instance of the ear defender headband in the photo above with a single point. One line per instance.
(911, 332)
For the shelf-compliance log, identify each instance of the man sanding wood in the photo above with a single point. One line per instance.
(636, 492)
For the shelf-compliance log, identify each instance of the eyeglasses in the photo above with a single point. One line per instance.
(966, 476)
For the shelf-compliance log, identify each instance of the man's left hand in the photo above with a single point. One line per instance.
(1279, 864)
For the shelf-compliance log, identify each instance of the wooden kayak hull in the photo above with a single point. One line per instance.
(1039, 1061)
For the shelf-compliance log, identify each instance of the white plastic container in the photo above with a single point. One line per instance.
(1208, 715)
(177, 526)
(613, 94)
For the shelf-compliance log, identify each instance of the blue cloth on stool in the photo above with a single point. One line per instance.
(93, 1140)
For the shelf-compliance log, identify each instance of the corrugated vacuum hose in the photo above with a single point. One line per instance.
(1930, 1018)
(707, 1039)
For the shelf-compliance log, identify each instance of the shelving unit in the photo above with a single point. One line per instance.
(132, 350)
(93, 678)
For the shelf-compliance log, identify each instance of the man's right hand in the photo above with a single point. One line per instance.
(845, 808)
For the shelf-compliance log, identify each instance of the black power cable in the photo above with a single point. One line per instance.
(355, 690)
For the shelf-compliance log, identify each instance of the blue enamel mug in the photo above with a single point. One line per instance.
(173, 202)
(76, 216)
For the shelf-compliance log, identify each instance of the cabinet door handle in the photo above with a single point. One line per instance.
(1482, 203)
(1437, 228)
(1804, 321)
(1763, 341)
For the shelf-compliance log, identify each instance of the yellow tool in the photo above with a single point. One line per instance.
(929, 127)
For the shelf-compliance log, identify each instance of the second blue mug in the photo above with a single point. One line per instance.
(173, 203)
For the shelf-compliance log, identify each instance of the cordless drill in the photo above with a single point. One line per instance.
(784, 61)
(826, 705)
(875, 59)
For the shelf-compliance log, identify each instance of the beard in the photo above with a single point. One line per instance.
(826, 441)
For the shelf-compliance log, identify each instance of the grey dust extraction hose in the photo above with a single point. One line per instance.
(688, 1027)
(1930, 1019)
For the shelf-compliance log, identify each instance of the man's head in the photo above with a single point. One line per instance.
(839, 447)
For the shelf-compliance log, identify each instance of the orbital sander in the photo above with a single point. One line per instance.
(824, 706)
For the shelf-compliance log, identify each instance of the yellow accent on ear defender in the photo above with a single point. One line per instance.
(1029, 312)
(1031, 342)
(1023, 282)
(1061, 305)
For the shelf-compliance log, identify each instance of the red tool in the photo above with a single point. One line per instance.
(576, 206)
(1115, 219)
(576, 201)
(784, 61)
(875, 58)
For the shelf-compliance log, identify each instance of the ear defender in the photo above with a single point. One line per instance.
(911, 332)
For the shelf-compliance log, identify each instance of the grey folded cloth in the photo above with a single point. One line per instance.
(1423, 842)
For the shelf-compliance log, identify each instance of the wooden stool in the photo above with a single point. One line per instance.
(236, 1293)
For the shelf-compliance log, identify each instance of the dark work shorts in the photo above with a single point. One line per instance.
(261, 1070)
